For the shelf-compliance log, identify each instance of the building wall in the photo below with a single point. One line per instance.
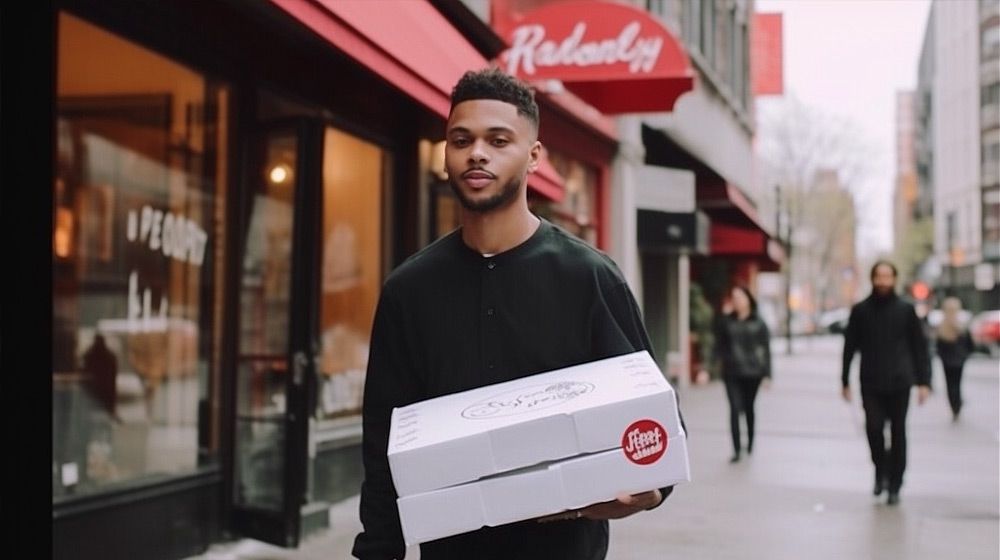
(923, 114)
(714, 121)
(956, 139)
(989, 107)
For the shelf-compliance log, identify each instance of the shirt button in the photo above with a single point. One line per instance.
(489, 312)
(491, 265)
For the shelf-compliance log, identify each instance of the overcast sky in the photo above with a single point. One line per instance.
(848, 58)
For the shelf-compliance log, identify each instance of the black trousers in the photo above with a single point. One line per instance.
(881, 408)
(953, 377)
(742, 393)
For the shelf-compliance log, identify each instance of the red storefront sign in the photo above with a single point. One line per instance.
(614, 56)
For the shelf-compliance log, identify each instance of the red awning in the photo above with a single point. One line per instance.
(737, 230)
(546, 181)
(614, 56)
(731, 240)
(727, 202)
(423, 56)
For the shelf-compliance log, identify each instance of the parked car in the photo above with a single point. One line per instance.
(985, 330)
(834, 321)
(935, 315)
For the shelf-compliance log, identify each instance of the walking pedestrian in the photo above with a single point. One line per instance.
(894, 356)
(504, 296)
(743, 349)
(953, 344)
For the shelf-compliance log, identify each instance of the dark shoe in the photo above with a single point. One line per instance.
(893, 498)
(750, 448)
(879, 487)
(735, 458)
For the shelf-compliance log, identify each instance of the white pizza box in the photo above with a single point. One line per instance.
(489, 430)
(654, 461)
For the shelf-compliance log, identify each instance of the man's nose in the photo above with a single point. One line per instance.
(478, 152)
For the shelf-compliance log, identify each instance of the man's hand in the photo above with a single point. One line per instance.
(624, 506)
(923, 391)
(846, 393)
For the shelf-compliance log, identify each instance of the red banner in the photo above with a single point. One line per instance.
(767, 55)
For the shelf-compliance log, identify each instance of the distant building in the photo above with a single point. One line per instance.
(989, 129)
(824, 269)
(961, 127)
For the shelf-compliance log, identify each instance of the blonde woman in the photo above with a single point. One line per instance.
(953, 344)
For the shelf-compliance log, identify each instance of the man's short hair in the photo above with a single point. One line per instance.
(883, 262)
(493, 83)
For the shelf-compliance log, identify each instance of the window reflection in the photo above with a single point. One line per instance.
(135, 258)
(351, 274)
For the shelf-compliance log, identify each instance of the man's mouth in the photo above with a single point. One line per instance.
(477, 178)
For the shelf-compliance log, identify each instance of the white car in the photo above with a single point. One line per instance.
(934, 317)
(835, 320)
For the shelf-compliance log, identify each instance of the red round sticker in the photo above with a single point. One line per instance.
(644, 442)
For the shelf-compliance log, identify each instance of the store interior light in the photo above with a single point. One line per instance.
(280, 174)
(62, 238)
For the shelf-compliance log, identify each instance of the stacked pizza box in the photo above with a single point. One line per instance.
(535, 446)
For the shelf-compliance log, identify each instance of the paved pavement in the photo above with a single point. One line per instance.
(806, 491)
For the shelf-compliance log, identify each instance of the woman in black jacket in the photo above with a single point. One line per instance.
(743, 348)
(953, 345)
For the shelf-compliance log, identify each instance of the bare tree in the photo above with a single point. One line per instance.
(819, 162)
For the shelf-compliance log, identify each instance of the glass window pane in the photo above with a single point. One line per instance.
(352, 274)
(265, 298)
(137, 252)
(577, 211)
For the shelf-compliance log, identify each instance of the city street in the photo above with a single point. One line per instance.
(806, 491)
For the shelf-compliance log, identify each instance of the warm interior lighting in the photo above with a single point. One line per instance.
(63, 238)
(280, 174)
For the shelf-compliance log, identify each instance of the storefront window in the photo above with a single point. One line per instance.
(137, 255)
(577, 212)
(352, 271)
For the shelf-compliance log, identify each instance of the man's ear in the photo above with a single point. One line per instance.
(535, 156)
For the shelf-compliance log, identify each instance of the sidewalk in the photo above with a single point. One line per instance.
(806, 491)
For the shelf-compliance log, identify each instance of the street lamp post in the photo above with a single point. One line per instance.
(786, 243)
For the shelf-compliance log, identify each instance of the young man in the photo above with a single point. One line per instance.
(506, 295)
(887, 332)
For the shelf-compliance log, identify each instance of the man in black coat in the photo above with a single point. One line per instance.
(894, 357)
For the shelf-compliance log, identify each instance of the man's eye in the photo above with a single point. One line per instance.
(500, 141)
(460, 142)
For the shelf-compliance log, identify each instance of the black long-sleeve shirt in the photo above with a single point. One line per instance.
(743, 347)
(894, 350)
(449, 320)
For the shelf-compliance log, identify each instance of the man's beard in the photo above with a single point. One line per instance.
(503, 198)
(883, 292)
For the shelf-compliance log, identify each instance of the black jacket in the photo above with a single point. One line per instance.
(743, 347)
(894, 350)
(450, 319)
(953, 353)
